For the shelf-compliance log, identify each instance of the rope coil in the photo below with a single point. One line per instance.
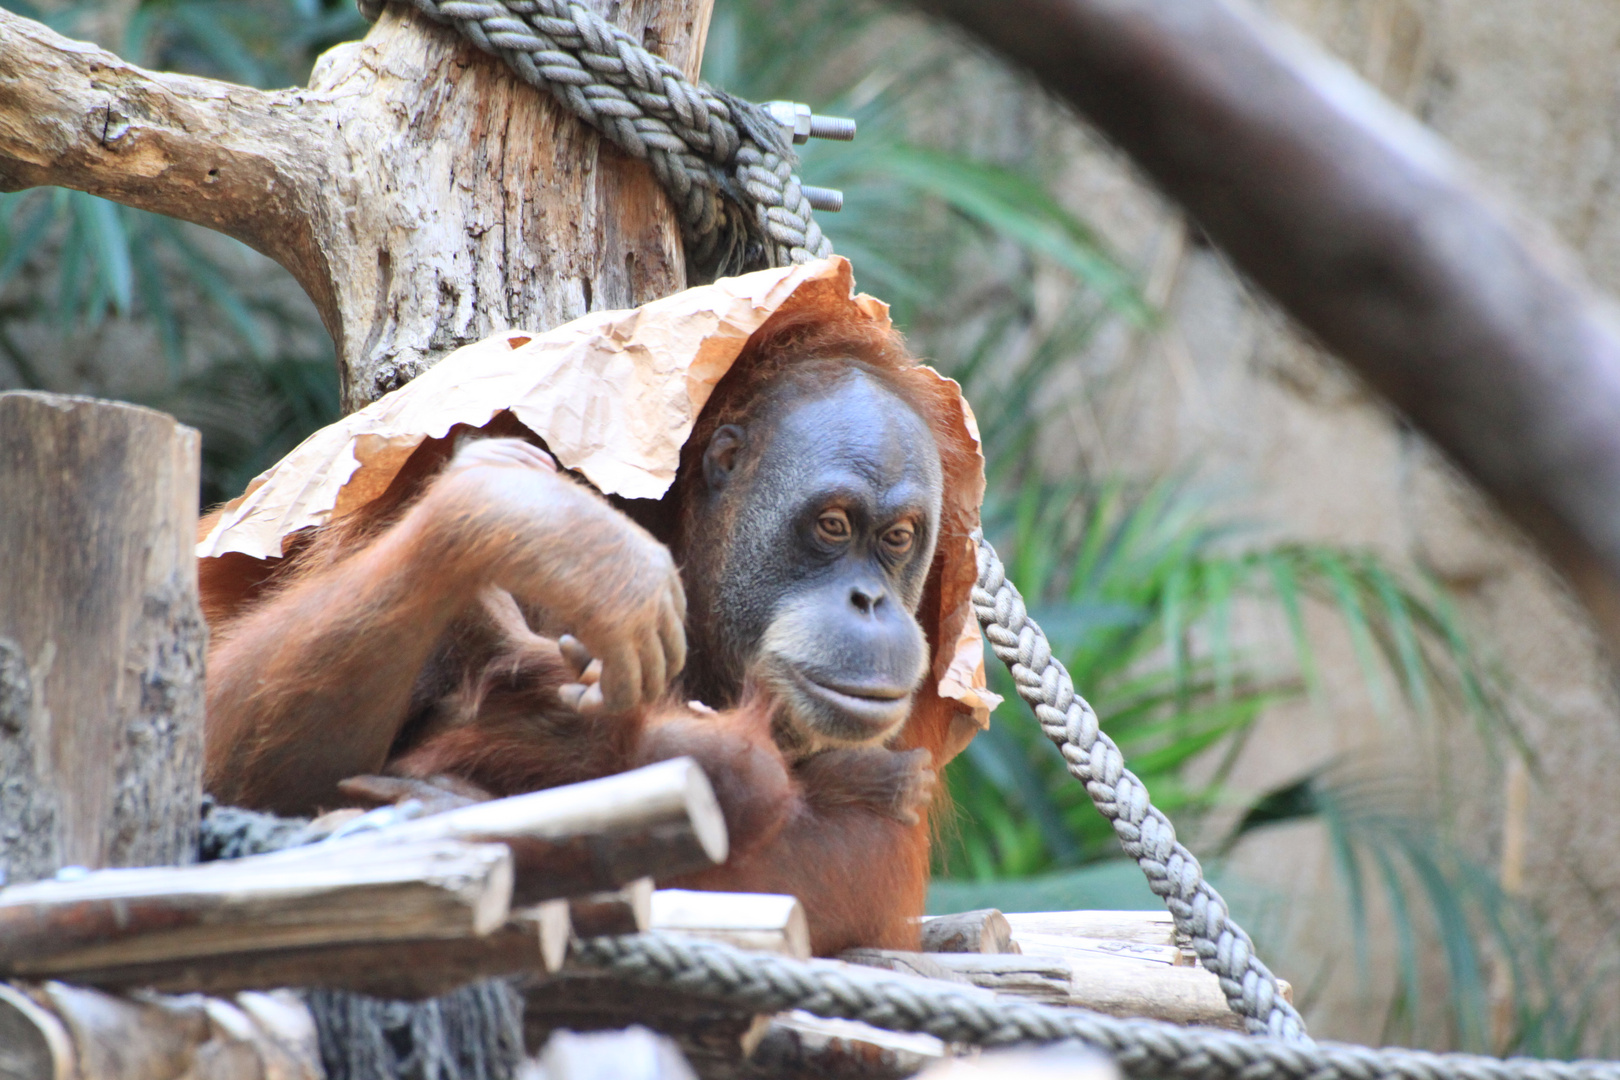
(725, 162)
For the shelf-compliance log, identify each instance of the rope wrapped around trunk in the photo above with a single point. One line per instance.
(726, 164)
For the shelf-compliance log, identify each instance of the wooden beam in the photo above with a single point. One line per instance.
(299, 898)
(1118, 986)
(622, 911)
(101, 640)
(983, 931)
(656, 821)
(763, 922)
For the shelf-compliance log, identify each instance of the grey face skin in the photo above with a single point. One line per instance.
(832, 502)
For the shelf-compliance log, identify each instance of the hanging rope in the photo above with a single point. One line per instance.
(726, 164)
(1144, 1049)
(1144, 832)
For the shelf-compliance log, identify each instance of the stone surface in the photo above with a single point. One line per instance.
(1526, 90)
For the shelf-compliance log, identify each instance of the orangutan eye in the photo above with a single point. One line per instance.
(899, 539)
(833, 526)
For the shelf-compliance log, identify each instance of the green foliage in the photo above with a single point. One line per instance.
(1138, 593)
(75, 260)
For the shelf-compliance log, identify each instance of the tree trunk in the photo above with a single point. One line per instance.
(421, 194)
(101, 640)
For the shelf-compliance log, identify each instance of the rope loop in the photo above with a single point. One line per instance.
(1143, 830)
(726, 164)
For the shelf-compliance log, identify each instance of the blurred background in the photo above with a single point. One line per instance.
(1382, 724)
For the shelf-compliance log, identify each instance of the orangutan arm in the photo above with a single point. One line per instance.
(313, 685)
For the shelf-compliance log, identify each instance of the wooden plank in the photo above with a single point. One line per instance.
(534, 941)
(983, 931)
(298, 898)
(623, 911)
(1118, 986)
(763, 922)
(657, 821)
(101, 640)
(1144, 927)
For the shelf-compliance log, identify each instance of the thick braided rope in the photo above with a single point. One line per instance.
(726, 165)
(1144, 1049)
(1143, 831)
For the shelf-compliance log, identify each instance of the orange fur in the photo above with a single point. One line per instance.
(375, 646)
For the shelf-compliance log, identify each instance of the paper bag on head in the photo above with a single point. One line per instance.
(614, 396)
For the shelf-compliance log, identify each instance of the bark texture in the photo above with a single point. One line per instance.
(422, 195)
(101, 639)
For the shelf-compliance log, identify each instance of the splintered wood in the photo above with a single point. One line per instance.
(410, 910)
(1123, 963)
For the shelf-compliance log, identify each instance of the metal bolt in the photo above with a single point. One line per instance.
(823, 198)
(798, 121)
(841, 128)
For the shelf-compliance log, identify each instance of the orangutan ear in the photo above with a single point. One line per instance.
(721, 457)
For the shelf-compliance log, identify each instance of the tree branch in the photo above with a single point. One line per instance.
(228, 157)
(1361, 225)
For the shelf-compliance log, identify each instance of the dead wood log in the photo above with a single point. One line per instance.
(421, 194)
(1118, 986)
(763, 922)
(622, 911)
(983, 931)
(656, 821)
(534, 941)
(101, 640)
(309, 896)
(1142, 935)
(1366, 230)
(60, 1032)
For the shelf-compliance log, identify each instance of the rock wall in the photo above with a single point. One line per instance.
(1529, 91)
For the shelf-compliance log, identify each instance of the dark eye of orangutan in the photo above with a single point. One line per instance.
(899, 539)
(833, 526)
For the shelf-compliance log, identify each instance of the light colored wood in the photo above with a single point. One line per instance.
(1118, 986)
(655, 821)
(33, 1043)
(982, 931)
(553, 926)
(534, 941)
(1144, 927)
(293, 899)
(622, 911)
(763, 922)
(421, 194)
(1141, 935)
(396, 970)
(101, 640)
(255, 1037)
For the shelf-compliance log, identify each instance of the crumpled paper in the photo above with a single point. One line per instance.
(614, 395)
